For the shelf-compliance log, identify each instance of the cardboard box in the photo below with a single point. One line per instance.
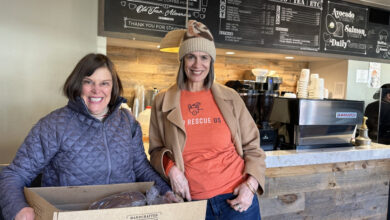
(70, 203)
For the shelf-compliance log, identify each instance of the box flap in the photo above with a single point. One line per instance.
(43, 209)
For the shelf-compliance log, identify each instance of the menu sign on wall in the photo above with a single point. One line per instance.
(152, 17)
(286, 24)
(291, 24)
(238, 22)
(378, 41)
(326, 26)
(345, 28)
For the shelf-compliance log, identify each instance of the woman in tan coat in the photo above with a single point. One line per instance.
(202, 137)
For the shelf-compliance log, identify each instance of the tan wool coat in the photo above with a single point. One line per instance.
(167, 133)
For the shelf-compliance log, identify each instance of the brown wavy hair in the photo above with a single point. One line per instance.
(86, 67)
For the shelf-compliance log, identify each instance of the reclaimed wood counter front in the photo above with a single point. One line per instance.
(335, 183)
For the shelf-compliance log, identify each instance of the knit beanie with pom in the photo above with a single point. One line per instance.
(197, 38)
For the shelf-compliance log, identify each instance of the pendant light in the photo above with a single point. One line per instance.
(172, 40)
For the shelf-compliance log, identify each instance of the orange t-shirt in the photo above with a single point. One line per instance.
(212, 165)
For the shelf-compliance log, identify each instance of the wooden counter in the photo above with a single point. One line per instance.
(332, 183)
(338, 183)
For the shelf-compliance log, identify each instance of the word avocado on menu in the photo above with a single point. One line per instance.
(345, 29)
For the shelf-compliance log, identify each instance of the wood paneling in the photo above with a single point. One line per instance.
(351, 190)
(155, 69)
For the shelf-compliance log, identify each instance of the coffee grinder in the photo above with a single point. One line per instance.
(268, 88)
(248, 93)
(258, 97)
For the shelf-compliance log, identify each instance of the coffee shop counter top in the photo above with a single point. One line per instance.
(332, 183)
(287, 158)
(290, 158)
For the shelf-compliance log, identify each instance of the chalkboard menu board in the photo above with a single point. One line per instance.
(237, 23)
(345, 29)
(144, 17)
(323, 26)
(378, 45)
(295, 24)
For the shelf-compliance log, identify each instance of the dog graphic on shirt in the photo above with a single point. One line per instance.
(194, 108)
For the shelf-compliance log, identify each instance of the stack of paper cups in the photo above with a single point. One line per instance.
(313, 78)
(303, 83)
(316, 90)
(326, 93)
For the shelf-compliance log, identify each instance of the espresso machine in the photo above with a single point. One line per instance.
(258, 97)
(314, 123)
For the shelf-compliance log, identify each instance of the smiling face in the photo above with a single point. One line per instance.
(96, 90)
(196, 68)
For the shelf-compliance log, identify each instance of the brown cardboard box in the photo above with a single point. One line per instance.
(70, 203)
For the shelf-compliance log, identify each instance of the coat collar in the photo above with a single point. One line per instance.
(218, 92)
(171, 105)
(171, 99)
(224, 98)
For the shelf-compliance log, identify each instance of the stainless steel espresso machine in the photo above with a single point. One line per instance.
(258, 97)
(313, 123)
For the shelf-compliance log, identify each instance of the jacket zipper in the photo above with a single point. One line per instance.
(108, 156)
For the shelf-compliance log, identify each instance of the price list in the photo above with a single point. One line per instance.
(239, 22)
(292, 24)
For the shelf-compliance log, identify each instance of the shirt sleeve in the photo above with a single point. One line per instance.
(168, 163)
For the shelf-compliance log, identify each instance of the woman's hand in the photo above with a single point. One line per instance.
(171, 197)
(26, 213)
(179, 183)
(244, 195)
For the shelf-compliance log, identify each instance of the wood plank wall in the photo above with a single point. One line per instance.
(351, 190)
(155, 69)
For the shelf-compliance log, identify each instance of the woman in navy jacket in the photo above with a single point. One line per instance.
(89, 141)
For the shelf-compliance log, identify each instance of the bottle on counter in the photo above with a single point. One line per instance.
(144, 120)
(363, 139)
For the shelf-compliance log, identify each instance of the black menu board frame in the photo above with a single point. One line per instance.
(325, 28)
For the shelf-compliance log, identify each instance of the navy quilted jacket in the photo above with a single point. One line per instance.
(70, 147)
